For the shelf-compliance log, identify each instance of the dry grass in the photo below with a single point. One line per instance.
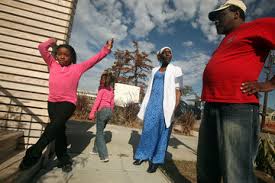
(124, 116)
(184, 124)
(265, 160)
(83, 107)
(127, 116)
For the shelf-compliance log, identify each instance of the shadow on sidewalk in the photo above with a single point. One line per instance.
(108, 136)
(134, 140)
(78, 138)
(174, 142)
(170, 169)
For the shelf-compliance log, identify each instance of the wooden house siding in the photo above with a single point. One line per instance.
(23, 73)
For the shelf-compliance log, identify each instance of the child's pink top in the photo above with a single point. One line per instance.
(104, 99)
(63, 81)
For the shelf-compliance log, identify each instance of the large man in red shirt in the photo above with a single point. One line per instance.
(228, 137)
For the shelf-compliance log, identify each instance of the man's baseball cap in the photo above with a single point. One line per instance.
(239, 3)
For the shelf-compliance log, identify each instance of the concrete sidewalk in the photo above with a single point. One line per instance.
(121, 143)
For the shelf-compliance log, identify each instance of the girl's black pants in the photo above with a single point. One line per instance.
(59, 113)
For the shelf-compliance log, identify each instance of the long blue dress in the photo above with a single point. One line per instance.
(155, 136)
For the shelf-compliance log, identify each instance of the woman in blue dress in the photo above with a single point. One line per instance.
(157, 108)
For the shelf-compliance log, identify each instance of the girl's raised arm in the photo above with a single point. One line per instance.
(44, 50)
(84, 66)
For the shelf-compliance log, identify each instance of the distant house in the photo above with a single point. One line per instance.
(192, 100)
(190, 103)
(86, 93)
(271, 117)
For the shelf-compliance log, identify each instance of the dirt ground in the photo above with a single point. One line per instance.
(180, 171)
(185, 172)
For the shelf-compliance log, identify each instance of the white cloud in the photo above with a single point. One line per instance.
(94, 23)
(202, 20)
(127, 20)
(259, 8)
(194, 24)
(165, 29)
(99, 21)
(143, 16)
(255, 8)
(188, 44)
(148, 47)
(158, 14)
(193, 67)
(102, 19)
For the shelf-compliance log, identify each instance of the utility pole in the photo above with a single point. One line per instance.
(268, 67)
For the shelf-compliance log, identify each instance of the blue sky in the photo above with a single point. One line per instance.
(180, 24)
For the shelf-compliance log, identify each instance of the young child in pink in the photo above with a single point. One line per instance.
(64, 75)
(102, 108)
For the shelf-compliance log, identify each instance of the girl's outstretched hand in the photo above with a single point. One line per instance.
(109, 43)
(53, 41)
(91, 116)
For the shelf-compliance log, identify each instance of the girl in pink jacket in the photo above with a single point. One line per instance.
(64, 75)
(102, 108)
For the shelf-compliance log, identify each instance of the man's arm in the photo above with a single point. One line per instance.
(251, 87)
(255, 86)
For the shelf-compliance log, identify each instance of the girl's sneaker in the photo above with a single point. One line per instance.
(67, 167)
(29, 160)
(93, 153)
(105, 160)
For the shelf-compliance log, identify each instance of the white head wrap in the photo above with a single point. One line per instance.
(162, 49)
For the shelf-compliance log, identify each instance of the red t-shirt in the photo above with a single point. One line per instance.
(240, 57)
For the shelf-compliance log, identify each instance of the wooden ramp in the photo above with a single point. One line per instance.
(11, 154)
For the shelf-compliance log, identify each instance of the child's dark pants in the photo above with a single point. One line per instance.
(59, 113)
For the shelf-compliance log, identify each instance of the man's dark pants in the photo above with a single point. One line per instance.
(228, 143)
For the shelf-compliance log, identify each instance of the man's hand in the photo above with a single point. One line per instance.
(109, 43)
(252, 87)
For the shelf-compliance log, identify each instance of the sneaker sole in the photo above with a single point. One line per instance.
(93, 153)
(105, 160)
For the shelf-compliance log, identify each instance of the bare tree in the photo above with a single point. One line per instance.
(132, 67)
